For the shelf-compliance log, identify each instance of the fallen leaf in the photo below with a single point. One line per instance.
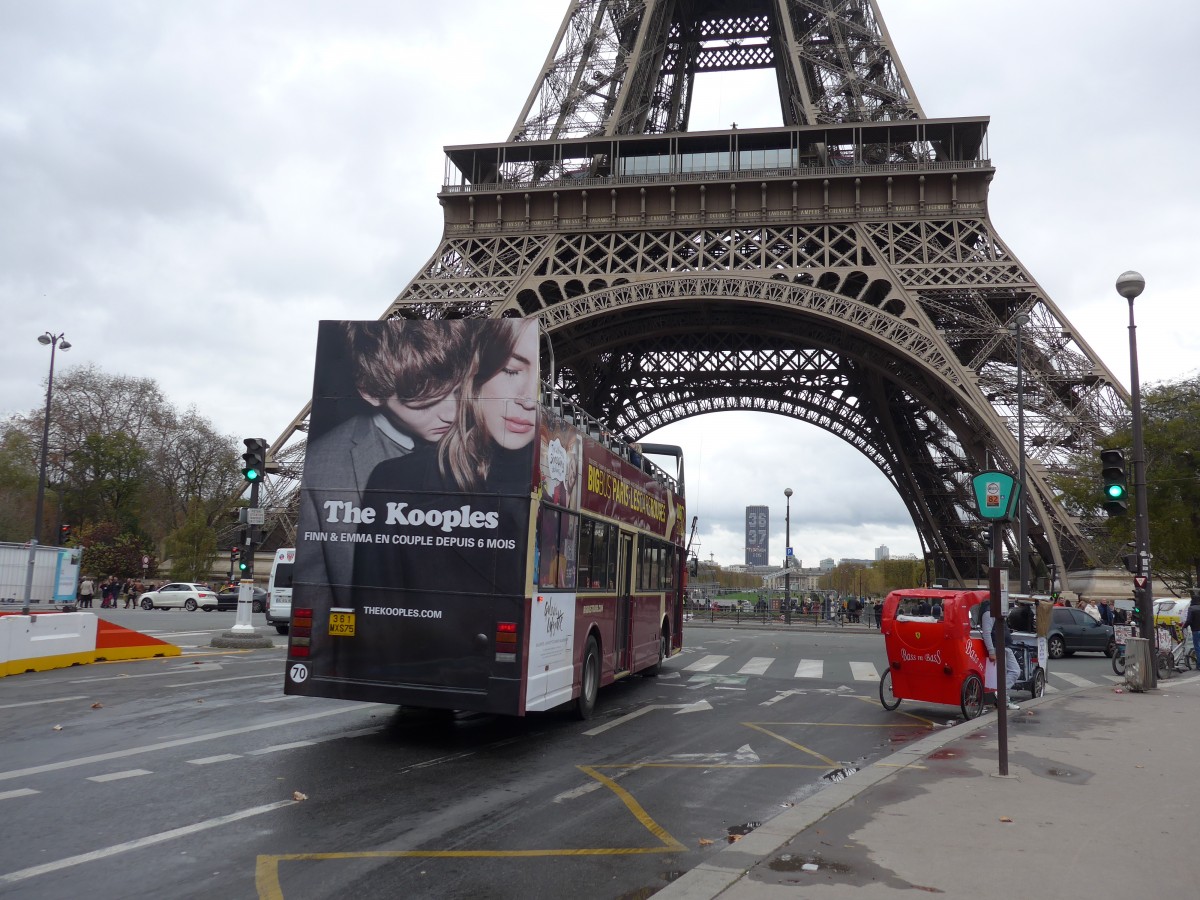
(734, 838)
(58, 728)
(97, 705)
(296, 795)
(704, 842)
(1005, 819)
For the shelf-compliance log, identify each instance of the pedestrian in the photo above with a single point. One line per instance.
(106, 594)
(1105, 610)
(1191, 619)
(879, 616)
(87, 590)
(1012, 669)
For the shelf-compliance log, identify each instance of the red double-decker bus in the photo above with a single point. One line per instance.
(516, 559)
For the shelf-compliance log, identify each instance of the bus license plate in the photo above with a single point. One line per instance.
(341, 624)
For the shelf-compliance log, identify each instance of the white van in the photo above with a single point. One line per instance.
(279, 589)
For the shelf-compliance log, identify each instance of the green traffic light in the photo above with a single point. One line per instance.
(1115, 491)
(251, 474)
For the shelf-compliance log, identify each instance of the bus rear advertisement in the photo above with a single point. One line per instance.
(467, 541)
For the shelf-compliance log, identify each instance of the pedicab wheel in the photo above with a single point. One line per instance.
(1038, 688)
(972, 696)
(1118, 662)
(886, 697)
(1166, 665)
(1190, 660)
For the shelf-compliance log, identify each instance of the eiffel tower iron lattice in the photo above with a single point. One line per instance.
(841, 269)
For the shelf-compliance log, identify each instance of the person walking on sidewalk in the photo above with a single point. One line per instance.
(87, 590)
(1191, 619)
(1012, 669)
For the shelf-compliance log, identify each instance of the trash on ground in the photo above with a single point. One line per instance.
(296, 795)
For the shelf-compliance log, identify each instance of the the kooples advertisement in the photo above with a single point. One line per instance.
(612, 487)
(415, 497)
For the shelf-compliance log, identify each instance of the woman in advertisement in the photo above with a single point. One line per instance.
(449, 538)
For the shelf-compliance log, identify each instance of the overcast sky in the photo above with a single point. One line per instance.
(186, 189)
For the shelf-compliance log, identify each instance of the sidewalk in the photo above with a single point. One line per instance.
(1102, 801)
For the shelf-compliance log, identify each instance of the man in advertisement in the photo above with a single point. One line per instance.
(400, 395)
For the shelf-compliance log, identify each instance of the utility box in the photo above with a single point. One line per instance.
(1139, 669)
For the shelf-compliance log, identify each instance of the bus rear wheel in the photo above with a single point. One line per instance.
(664, 643)
(589, 686)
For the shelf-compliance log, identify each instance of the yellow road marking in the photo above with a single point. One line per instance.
(266, 872)
(267, 866)
(779, 737)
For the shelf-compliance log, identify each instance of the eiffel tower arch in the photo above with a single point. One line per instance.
(841, 269)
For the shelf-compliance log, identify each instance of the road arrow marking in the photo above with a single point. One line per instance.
(681, 708)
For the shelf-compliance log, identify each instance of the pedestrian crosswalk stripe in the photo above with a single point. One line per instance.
(758, 665)
(864, 671)
(706, 664)
(1074, 679)
(810, 668)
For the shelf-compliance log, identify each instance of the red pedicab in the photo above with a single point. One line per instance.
(932, 654)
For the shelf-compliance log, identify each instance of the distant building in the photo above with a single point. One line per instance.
(847, 561)
(882, 552)
(758, 530)
(827, 565)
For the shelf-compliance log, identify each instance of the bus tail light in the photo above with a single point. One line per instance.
(506, 642)
(300, 632)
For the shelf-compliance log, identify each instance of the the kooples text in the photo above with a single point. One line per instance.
(447, 520)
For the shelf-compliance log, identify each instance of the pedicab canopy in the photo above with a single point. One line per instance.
(996, 494)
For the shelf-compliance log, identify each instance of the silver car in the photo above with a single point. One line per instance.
(180, 594)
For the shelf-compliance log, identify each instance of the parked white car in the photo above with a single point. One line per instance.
(181, 595)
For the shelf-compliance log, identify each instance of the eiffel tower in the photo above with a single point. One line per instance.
(840, 269)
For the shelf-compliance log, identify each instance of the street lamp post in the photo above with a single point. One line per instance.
(787, 558)
(1022, 538)
(55, 341)
(1130, 285)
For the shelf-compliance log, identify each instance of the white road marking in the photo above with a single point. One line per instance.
(758, 665)
(180, 742)
(41, 702)
(679, 708)
(810, 668)
(148, 841)
(864, 671)
(208, 760)
(285, 697)
(705, 664)
(219, 680)
(118, 776)
(277, 747)
(1074, 679)
(25, 792)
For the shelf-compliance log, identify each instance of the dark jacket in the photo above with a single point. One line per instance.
(1191, 618)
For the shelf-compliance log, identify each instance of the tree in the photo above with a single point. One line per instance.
(18, 485)
(192, 546)
(1171, 440)
(124, 454)
(109, 551)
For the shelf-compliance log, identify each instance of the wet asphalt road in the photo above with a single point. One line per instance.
(178, 777)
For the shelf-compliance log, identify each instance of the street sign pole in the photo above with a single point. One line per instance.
(242, 622)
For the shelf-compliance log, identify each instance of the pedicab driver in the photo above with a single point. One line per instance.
(1012, 669)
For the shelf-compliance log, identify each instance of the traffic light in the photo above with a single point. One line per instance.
(64, 534)
(255, 459)
(233, 554)
(1131, 563)
(243, 560)
(1112, 468)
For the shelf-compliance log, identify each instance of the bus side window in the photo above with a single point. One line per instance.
(586, 529)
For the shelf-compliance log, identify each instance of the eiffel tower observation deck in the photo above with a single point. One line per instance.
(840, 269)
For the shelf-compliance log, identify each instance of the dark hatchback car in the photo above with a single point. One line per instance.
(1073, 630)
(228, 599)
